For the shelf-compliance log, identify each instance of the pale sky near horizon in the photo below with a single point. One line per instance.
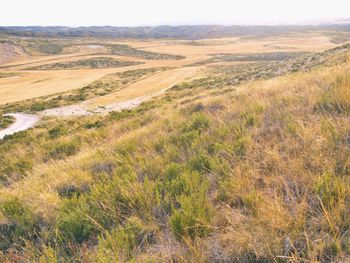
(158, 12)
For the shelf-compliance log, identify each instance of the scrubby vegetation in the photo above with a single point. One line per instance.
(236, 74)
(258, 173)
(95, 62)
(6, 121)
(138, 73)
(125, 50)
(6, 75)
(38, 46)
(265, 56)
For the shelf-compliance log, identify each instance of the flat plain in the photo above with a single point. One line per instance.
(28, 84)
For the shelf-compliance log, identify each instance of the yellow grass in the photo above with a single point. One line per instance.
(277, 178)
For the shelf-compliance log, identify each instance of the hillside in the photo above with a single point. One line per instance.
(249, 163)
(177, 32)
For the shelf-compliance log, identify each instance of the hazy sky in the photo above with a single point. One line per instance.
(175, 12)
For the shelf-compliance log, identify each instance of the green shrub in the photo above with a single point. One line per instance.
(22, 136)
(73, 223)
(126, 148)
(200, 123)
(21, 216)
(185, 139)
(120, 243)
(62, 149)
(194, 217)
(192, 212)
(251, 201)
(331, 190)
(20, 166)
(172, 171)
(6, 121)
(174, 182)
(240, 145)
(71, 190)
(119, 115)
(250, 120)
(96, 124)
(57, 132)
(200, 163)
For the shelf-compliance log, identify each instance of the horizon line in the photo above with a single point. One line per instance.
(307, 22)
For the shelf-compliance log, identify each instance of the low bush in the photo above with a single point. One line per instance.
(23, 220)
(120, 243)
(57, 131)
(62, 149)
(73, 222)
(193, 218)
(6, 121)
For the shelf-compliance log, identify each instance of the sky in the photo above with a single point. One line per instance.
(164, 12)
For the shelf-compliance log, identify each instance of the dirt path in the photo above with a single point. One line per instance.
(23, 122)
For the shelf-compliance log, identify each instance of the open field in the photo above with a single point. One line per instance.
(37, 83)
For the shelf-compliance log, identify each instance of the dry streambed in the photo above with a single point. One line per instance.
(23, 122)
(127, 98)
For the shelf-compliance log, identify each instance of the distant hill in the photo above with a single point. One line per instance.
(182, 32)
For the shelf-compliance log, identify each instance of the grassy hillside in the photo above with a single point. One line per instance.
(205, 173)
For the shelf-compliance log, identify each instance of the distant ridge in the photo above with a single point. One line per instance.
(176, 32)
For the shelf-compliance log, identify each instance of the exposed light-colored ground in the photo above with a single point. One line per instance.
(22, 122)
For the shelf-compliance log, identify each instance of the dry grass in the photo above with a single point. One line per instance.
(255, 173)
(202, 173)
(145, 87)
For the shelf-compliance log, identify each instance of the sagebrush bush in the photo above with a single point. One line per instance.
(73, 222)
(62, 149)
(121, 242)
(22, 222)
